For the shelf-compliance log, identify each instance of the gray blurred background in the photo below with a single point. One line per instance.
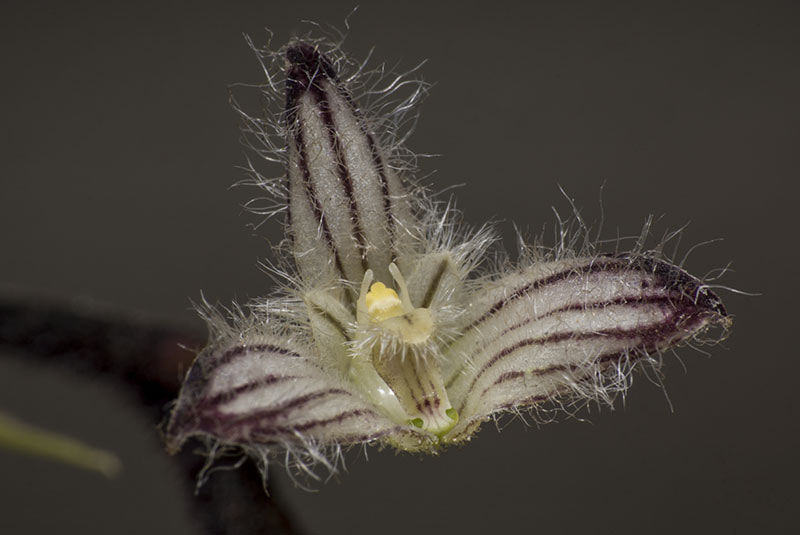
(118, 150)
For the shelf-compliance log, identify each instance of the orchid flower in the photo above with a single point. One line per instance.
(393, 329)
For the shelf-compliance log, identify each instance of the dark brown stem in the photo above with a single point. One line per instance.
(148, 360)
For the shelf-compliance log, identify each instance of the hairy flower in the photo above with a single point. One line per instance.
(391, 331)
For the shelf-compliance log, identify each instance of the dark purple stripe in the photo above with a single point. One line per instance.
(245, 388)
(531, 400)
(650, 338)
(510, 376)
(387, 199)
(667, 277)
(330, 319)
(593, 267)
(311, 195)
(269, 432)
(343, 172)
(207, 418)
(308, 69)
(339, 418)
(633, 301)
(429, 293)
(278, 410)
(608, 358)
(672, 277)
(431, 387)
(507, 376)
(238, 351)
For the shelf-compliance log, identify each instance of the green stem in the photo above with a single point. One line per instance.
(24, 438)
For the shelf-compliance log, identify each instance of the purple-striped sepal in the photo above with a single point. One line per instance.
(570, 328)
(265, 391)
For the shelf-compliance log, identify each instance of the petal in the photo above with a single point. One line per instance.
(535, 335)
(267, 390)
(348, 211)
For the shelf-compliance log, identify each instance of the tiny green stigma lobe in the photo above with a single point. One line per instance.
(417, 422)
(445, 426)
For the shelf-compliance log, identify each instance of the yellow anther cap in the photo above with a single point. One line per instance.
(383, 303)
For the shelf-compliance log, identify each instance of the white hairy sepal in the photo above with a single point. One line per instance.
(570, 327)
(259, 390)
(256, 395)
(348, 210)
